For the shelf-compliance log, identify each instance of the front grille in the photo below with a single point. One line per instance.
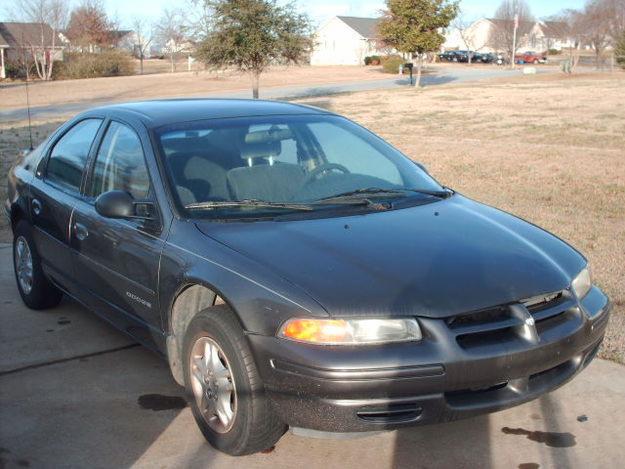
(542, 302)
(501, 324)
(478, 318)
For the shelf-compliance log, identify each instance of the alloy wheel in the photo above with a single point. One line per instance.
(24, 265)
(213, 384)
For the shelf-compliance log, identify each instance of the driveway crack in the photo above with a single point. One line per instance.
(68, 359)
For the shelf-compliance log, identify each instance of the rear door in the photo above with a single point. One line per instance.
(118, 260)
(55, 191)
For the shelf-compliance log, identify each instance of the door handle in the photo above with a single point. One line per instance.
(81, 231)
(37, 206)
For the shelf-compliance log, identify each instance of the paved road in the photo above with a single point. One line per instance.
(76, 393)
(442, 76)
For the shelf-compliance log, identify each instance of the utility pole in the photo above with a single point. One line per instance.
(516, 28)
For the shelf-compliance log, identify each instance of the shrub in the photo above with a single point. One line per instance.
(391, 63)
(619, 51)
(553, 52)
(108, 63)
(372, 60)
(14, 70)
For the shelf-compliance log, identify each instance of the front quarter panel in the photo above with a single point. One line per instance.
(261, 299)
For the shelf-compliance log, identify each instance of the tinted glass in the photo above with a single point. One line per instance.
(351, 150)
(120, 164)
(69, 156)
(296, 159)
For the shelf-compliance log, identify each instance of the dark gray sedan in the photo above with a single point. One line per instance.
(297, 270)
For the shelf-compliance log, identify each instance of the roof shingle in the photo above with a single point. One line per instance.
(366, 27)
(24, 34)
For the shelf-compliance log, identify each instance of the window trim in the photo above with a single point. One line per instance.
(151, 196)
(93, 159)
(42, 169)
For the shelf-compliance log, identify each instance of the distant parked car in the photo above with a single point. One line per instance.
(485, 58)
(461, 56)
(454, 56)
(447, 56)
(530, 58)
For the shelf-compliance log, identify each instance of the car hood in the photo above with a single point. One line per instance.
(433, 260)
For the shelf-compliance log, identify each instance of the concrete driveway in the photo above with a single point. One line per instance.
(76, 393)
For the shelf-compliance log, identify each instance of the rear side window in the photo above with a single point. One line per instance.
(120, 164)
(69, 156)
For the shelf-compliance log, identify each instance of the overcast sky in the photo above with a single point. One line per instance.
(319, 10)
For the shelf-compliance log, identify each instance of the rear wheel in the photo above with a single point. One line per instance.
(223, 385)
(36, 290)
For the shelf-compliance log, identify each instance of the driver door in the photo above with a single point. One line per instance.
(118, 260)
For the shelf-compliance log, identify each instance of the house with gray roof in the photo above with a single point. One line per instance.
(21, 40)
(345, 40)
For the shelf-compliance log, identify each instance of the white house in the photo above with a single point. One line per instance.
(478, 34)
(550, 35)
(538, 36)
(345, 40)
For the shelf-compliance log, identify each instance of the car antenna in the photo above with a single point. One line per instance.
(30, 126)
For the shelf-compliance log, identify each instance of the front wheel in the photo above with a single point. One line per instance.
(36, 290)
(223, 385)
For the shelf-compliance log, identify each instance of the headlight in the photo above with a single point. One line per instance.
(582, 284)
(350, 331)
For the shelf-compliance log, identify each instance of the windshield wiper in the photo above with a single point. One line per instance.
(255, 203)
(379, 192)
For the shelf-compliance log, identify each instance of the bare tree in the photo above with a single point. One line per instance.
(463, 26)
(44, 13)
(570, 28)
(513, 21)
(616, 12)
(89, 27)
(199, 17)
(595, 25)
(141, 39)
(171, 32)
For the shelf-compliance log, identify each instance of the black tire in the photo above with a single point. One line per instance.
(43, 294)
(255, 427)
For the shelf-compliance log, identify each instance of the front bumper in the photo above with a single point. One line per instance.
(441, 378)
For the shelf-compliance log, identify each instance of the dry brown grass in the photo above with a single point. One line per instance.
(549, 149)
(169, 85)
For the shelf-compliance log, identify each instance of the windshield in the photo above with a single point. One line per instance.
(266, 163)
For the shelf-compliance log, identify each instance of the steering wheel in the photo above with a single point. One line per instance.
(324, 169)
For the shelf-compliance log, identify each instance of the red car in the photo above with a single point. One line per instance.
(530, 58)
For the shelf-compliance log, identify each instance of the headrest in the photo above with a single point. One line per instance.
(261, 150)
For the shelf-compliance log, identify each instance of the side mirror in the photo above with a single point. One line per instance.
(120, 204)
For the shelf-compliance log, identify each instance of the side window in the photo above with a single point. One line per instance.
(120, 164)
(68, 158)
(345, 148)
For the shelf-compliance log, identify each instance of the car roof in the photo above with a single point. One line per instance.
(171, 111)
